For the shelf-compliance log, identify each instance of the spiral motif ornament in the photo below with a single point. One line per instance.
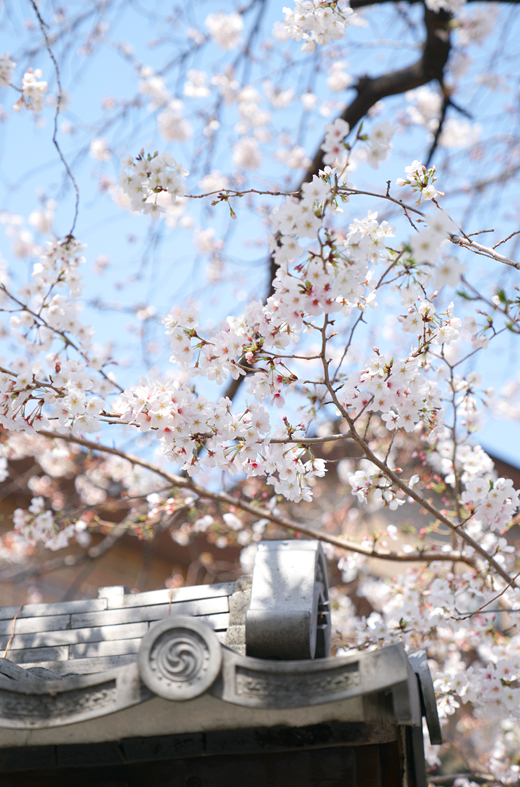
(179, 658)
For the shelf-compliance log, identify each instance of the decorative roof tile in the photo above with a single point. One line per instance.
(245, 655)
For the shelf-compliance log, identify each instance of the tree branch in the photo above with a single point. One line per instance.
(442, 118)
(69, 561)
(423, 556)
(422, 501)
(485, 251)
(370, 90)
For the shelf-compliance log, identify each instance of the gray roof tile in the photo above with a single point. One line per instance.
(28, 625)
(189, 594)
(87, 666)
(94, 635)
(94, 649)
(74, 636)
(31, 655)
(207, 606)
(55, 608)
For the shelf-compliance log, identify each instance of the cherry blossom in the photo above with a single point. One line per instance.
(143, 179)
(33, 91)
(7, 67)
(225, 29)
(316, 22)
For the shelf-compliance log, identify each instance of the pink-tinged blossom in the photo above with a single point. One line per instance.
(317, 23)
(246, 154)
(421, 181)
(146, 177)
(173, 126)
(6, 69)
(225, 30)
(33, 91)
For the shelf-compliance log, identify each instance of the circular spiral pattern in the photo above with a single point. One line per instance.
(180, 658)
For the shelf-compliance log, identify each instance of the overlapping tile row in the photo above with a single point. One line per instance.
(94, 635)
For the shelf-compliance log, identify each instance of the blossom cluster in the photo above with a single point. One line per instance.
(197, 84)
(425, 109)
(7, 67)
(372, 482)
(34, 90)
(380, 143)
(492, 501)
(59, 264)
(173, 126)
(99, 149)
(421, 181)
(235, 443)
(339, 79)
(423, 320)
(303, 291)
(426, 243)
(253, 119)
(317, 22)
(332, 145)
(77, 408)
(50, 312)
(63, 397)
(247, 154)
(471, 461)
(23, 242)
(225, 29)
(153, 86)
(38, 526)
(149, 177)
(473, 663)
(397, 389)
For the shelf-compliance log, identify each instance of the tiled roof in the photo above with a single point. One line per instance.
(90, 636)
(204, 660)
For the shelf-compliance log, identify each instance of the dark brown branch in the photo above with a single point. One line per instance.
(370, 90)
(433, 148)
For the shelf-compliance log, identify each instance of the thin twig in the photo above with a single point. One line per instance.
(486, 251)
(480, 609)
(500, 242)
(12, 631)
(56, 115)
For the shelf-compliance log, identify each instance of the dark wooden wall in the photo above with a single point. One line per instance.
(341, 766)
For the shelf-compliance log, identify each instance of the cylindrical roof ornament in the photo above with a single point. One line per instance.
(289, 616)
